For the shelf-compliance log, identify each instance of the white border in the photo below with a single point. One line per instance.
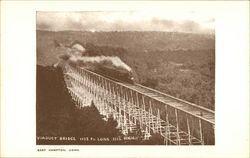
(18, 60)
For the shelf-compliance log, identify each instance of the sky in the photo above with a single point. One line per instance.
(190, 21)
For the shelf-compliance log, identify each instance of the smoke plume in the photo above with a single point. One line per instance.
(76, 55)
(114, 60)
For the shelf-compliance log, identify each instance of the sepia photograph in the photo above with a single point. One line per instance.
(125, 78)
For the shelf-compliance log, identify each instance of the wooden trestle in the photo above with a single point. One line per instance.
(134, 106)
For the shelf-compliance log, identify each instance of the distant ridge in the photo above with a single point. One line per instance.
(138, 40)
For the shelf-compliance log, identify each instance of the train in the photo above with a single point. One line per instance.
(114, 73)
(106, 69)
(111, 67)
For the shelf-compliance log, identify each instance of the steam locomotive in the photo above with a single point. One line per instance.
(110, 67)
(114, 73)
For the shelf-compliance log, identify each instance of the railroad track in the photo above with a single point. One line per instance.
(182, 105)
(193, 109)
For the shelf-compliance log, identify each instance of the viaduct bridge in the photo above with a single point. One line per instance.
(134, 106)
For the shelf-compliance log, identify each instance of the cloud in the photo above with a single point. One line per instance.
(117, 21)
(211, 20)
(190, 26)
(181, 26)
(164, 22)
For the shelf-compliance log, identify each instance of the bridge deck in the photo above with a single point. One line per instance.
(190, 108)
(198, 111)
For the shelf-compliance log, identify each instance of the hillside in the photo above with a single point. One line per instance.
(132, 41)
(179, 64)
(135, 40)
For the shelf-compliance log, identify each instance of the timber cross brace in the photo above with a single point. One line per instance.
(136, 106)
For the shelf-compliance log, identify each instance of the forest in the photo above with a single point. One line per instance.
(179, 64)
